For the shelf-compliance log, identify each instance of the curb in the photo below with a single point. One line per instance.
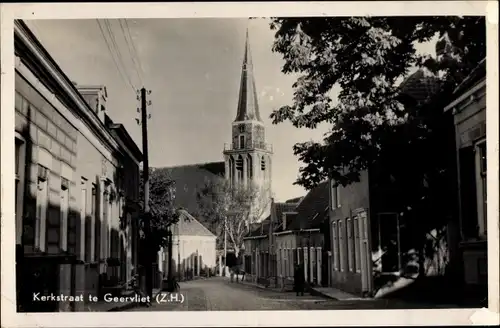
(314, 292)
(260, 286)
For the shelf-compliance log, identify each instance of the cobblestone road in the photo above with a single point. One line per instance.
(218, 294)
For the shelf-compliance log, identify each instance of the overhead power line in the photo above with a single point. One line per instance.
(123, 75)
(132, 49)
(117, 48)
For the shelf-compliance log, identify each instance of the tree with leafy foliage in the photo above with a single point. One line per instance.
(233, 208)
(163, 213)
(373, 122)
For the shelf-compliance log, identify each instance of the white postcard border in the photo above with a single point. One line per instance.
(242, 318)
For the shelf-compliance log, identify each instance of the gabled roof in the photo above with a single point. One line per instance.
(295, 200)
(262, 229)
(189, 226)
(279, 209)
(420, 86)
(478, 73)
(313, 209)
(188, 180)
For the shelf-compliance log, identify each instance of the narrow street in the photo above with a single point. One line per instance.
(219, 294)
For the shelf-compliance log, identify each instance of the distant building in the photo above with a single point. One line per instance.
(77, 178)
(300, 238)
(261, 257)
(193, 249)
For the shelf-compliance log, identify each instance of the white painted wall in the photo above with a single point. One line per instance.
(184, 247)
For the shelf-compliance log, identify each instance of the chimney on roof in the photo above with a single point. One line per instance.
(283, 218)
(96, 97)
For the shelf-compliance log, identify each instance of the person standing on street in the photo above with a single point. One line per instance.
(299, 280)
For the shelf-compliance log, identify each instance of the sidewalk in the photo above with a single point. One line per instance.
(254, 284)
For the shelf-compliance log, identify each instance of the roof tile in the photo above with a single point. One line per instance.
(312, 210)
(189, 226)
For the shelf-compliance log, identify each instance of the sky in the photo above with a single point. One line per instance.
(192, 67)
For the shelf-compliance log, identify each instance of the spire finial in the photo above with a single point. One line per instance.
(248, 108)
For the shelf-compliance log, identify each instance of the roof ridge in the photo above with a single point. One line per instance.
(191, 217)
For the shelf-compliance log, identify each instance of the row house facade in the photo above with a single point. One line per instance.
(77, 183)
(296, 233)
(260, 256)
(302, 238)
(469, 113)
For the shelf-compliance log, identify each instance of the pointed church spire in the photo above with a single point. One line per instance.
(248, 107)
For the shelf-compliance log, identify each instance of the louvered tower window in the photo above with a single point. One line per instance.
(239, 167)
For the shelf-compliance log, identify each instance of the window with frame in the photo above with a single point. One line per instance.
(468, 175)
(341, 246)
(357, 242)
(64, 194)
(96, 224)
(242, 141)
(19, 166)
(249, 167)
(41, 208)
(239, 167)
(19, 101)
(480, 149)
(350, 245)
(335, 247)
(104, 234)
(285, 262)
(335, 195)
(85, 224)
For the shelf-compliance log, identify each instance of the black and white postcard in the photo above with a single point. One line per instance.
(272, 158)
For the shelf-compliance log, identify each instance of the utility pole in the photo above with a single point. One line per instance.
(146, 215)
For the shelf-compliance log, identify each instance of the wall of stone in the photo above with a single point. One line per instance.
(52, 140)
(254, 134)
(47, 132)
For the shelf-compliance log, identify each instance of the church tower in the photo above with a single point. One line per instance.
(248, 157)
